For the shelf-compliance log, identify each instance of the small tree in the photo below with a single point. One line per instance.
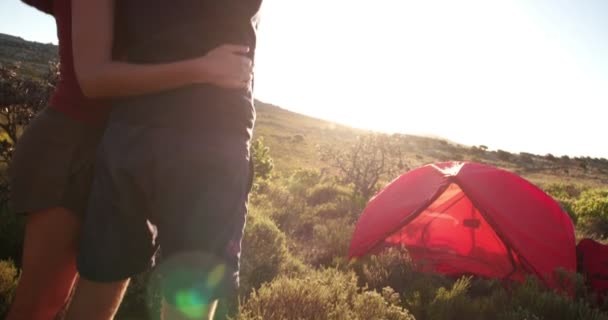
(368, 160)
(262, 162)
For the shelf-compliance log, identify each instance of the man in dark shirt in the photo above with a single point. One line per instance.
(173, 169)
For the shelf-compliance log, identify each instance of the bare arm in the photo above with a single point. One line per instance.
(99, 76)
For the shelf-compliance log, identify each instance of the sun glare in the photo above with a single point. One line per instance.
(465, 70)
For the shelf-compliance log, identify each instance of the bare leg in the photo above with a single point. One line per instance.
(205, 312)
(49, 264)
(95, 300)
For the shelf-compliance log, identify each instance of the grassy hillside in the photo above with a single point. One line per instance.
(295, 139)
(33, 56)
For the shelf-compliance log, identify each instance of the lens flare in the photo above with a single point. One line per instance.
(191, 281)
(190, 303)
(216, 275)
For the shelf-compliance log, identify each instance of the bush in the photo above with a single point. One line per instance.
(537, 301)
(326, 193)
(265, 253)
(391, 268)
(529, 300)
(564, 190)
(454, 303)
(568, 206)
(435, 297)
(373, 305)
(327, 294)
(8, 283)
(274, 199)
(262, 161)
(270, 194)
(592, 211)
(303, 180)
(566, 194)
(330, 242)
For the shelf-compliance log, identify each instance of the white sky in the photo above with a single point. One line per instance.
(515, 75)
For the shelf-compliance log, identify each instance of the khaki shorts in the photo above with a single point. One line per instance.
(53, 164)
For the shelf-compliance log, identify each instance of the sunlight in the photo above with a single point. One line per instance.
(507, 74)
(466, 70)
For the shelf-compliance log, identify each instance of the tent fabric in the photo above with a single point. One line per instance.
(593, 264)
(469, 218)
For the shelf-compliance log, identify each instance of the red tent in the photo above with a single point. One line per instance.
(468, 218)
(593, 264)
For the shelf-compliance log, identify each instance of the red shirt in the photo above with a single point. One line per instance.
(68, 97)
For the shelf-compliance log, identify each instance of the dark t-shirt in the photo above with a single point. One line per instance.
(157, 31)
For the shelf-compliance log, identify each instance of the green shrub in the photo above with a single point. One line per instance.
(391, 267)
(373, 305)
(269, 193)
(327, 211)
(567, 205)
(422, 292)
(434, 297)
(262, 161)
(326, 193)
(330, 241)
(564, 190)
(303, 180)
(303, 222)
(8, 283)
(566, 194)
(327, 294)
(264, 252)
(592, 211)
(453, 303)
(529, 300)
(542, 303)
(277, 202)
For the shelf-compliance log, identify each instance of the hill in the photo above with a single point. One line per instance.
(33, 56)
(295, 139)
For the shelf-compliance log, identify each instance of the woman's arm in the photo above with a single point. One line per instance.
(100, 77)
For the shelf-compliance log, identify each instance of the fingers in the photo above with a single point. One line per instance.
(246, 70)
(246, 62)
(245, 81)
(236, 84)
(237, 81)
(235, 68)
(245, 66)
(237, 49)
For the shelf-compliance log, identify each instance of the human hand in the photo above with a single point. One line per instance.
(227, 66)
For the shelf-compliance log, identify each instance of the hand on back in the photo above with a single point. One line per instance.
(227, 66)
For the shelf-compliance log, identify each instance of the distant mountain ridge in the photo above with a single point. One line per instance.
(34, 56)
